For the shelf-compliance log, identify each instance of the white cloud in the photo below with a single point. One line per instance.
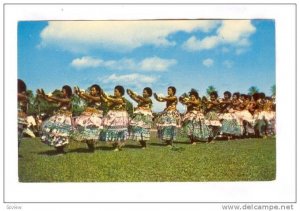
(232, 32)
(148, 64)
(131, 80)
(156, 64)
(228, 64)
(86, 62)
(193, 44)
(208, 62)
(81, 36)
(235, 30)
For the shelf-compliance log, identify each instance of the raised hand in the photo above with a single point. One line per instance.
(75, 89)
(129, 92)
(43, 92)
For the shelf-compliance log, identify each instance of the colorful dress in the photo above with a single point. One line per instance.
(57, 129)
(230, 122)
(270, 117)
(265, 119)
(193, 123)
(212, 118)
(141, 122)
(168, 122)
(115, 122)
(88, 125)
(22, 122)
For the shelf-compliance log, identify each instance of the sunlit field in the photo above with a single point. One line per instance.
(236, 160)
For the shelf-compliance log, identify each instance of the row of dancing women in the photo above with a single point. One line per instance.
(204, 119)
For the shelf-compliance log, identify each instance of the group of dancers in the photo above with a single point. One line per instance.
(235, 116)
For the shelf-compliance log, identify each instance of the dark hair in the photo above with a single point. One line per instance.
(268, 98)
(227, 93)
(148, 90)
(236, 94)
(256, 96)
(97, 87)
(173, 89)
(214, 93)
(68, 90)
(204, 99)
(262, 95)
(194, 92)
(248, 97)
(21, 86)
(120, 89)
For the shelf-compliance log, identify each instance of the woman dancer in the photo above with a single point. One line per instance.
(169, 120)
(115, 122)
(140, 124)
(212, 115)
(56, 130)
(89, 124)
(22, 109)
(270, 116)
(230, 126)
(260, 116)
(193, 120)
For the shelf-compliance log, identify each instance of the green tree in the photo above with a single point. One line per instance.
(129, 107)
(56, 92)
(210, 89)
(31, 100)
(273, 90)
(252, 90)
(43, 106)
(78, 105)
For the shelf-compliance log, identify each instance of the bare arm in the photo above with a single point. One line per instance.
(56, 99)
(133, 96)
(111, 99)
(183, 100)
(86, 96)
(41, 94)
(79, 93)
(193, 102)
(22, 97)
(159, 99)
(236, 103)
(210, 104)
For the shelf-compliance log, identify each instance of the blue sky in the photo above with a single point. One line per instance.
(228, 54)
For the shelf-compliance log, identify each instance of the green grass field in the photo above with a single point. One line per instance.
(238, 160)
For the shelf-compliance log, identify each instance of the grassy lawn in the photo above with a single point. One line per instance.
(238, 160)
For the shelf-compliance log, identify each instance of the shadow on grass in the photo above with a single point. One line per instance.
(105, 148)
(86, 150)
(181, 142)
(79, 150)
(158, 144)
(131, 146)
(51, 153)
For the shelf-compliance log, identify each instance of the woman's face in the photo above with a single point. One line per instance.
(193, 97)
(93, 91)
(145, 93)
(64, 92)
(117, 93)
(226, 96)
(212, 97)
(170, 92)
